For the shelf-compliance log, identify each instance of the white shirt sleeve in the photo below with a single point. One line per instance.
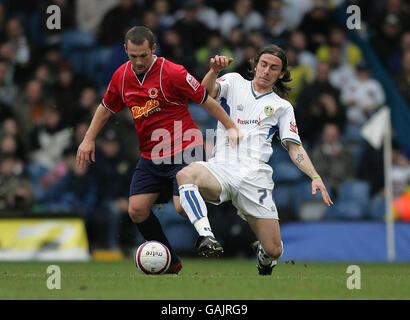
(288, 130)
(225, 84)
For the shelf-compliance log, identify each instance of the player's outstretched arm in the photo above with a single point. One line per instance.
(301, 159)
(86, 149)
(216, 64)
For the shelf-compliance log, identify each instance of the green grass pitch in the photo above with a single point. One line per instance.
(216, 279)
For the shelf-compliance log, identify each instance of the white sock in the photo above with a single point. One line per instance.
(194, 206)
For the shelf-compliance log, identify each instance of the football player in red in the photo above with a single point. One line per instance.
(156, 91)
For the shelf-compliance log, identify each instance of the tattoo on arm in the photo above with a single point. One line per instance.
(299, 158)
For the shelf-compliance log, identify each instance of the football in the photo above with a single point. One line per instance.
(152, 257)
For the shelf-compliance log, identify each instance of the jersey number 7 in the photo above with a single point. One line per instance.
(264, 193)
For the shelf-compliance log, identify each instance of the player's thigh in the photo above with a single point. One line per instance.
(208, 185)
(267, 230)
(139, 205)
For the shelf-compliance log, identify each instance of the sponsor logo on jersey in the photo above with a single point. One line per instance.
(293, 127)
(192, 82)
(253, 121)
(220, 79)
(153, 93)
(239, 107)
(269, 110)
(150, 105)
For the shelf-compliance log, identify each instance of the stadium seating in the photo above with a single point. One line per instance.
(352, 201)
(377, 208)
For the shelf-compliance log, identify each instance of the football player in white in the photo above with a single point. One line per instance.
(241, 174)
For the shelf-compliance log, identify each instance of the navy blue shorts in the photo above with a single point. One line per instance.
(149, 177)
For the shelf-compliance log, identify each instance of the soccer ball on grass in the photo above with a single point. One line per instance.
(152, 257)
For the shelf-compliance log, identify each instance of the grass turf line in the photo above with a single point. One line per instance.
(226, 279)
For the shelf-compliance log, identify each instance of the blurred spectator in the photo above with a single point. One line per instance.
(16, 38)
(297, 41)
(113, 172)
(236, 41)
(318, 104)
(293, 11)
(76, 191)
(400, 172)
(302, 75)
(402, 79)
(382, 9)
(89, 13)
(66, 93)
(53, 60)
(49, 139)
(207, 15)
(10, 146)
(192, 32)
(163, 12)
(361, 96)
(28, 108)
(8, 89)
(316, 24)
(350, 53)
(395, 63)
(275, 28)
(256, 38)
(386, 42)
(171, 48)
(15, 187)
(242, 14)
(3, 19)
(340, 72)
(333, 159)
(245, 68)
(116, 21)
(9, 128)
(84, 109)
(150, 20)
(215, 46)
(80, 129)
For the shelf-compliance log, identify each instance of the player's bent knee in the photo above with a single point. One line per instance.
(186, 176)
(138, 215)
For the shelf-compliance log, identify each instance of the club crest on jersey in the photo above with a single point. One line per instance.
(293, 127)
(145, 110)
(153, 93)
(192, 82)
(239, 107)
(269, 110)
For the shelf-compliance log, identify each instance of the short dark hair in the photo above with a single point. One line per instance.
(138, 34)
(279, 86)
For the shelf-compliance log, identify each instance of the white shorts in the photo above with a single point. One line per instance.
(250, 190)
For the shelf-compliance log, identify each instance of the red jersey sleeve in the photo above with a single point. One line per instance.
(185, 85)
(113, 99)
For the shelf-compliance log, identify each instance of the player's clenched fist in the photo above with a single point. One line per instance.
(219, 63)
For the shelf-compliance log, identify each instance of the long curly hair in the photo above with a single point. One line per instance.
(279, 87)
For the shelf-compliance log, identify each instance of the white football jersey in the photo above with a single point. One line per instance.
(258, 116)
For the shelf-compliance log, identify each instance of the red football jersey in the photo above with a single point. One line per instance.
(159, 106)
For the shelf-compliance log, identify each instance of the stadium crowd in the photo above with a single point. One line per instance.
(51, 81)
